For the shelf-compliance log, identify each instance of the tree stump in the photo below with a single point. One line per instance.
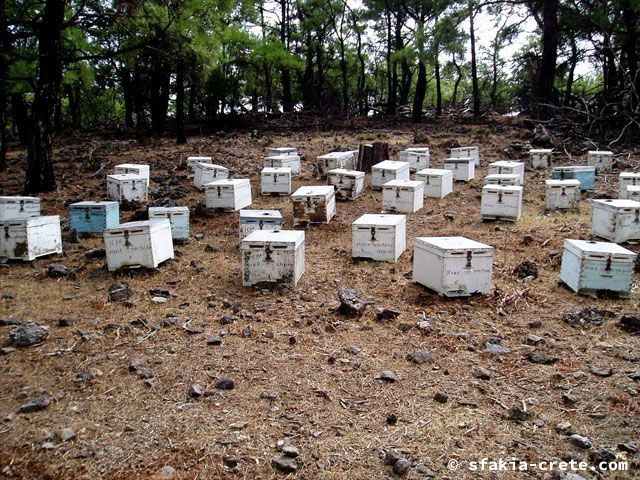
(370, 154)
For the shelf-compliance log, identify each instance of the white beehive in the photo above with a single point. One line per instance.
(280, 151)
(313, 204)
(349, 184)
(134, 168)
(563, 194)
(28, 238)
(284, 161)
(178, 218)
(379, 237)
(453, 266)
(501, 202)
(417, 158)
(275, 180)
(616, 220)
(540, 158)
(590, 267)
(464, 169)
(632, 192)
(388, 170)
(509, 167)
(627, 179)
(502, 179)
(438, 182)
(146, 243)
(127, 187)
(334, 160)
(251, 220)
(402, 196)
(602, 160)
(19, 207)
(272, 256)
(229, 194)
(467, 152)
(208, 172)
(191, 164)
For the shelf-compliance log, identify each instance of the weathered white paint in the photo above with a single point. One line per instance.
(19, 207)
(127, 187)
(349, 184)
(313, 204)
(251, 220)
(191, 164)
(508, 167)
(138, 244)
(501, 202)
(275, 180)
(28, 238)
(540, 158)
(208, 172)
(602, 160)
(627, 179)
(379, 237)
(438, 182)
(402, 196)
(417, 157)
(502, 179)
(334, 160)
(467, 152)
(178, 218)
(562, 194)
(273, 256)
(135, 168)
(388, 170)
(615, 220)
(464, 169)
(229, 194)
(284, 161)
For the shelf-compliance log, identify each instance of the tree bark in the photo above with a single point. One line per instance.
(40, 174)
(138, 94)
(285, 74)
(421, 90)
(572, 67)
(438, 83)
(391, 94)
(549, 58)
(630, 14)
(159, 97)
(474, 66)
(20, 117)
(456, 65)
(181, 134)
(5, 43)
(127, 95)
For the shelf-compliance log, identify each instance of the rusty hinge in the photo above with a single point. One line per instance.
(133, 185)
(219, 191)
(340, 179)
(308, 201)
(6, 231)
(260, 224)
(499, 197)
(469, 256)
(267, 252)
(127, 243)
(87, 214)
(373, 234)
(637, 219)
(427, 180)
(397, 192)
(22, 205)
(563, 192)
(607, 267)
(275, 178)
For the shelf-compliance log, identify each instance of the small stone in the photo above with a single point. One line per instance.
(167, 472)
(587, 316)
(66, 322)
(464, 402)
(212, 249)
(600, 455)
(65, 434)
(387, 376)
(57, 270)
(119, 292)
(494, 348)
(146, 373)
(441, 396)
(195, 391)
(352, 302)
(28, 335)
(137, 364)
(419, 356)
(540, 422)
(39, 403)
(226, 320)
(580, 441)
(193, 329)
(426, 327)
(392, 419)
(383, 314)
(635, 376)
(353, 350)
(527, 239)
(9, 321)
(481, 373)
(198, 236)
(519, 414)
(214, 340)
(528, 268)
(630, 322)
(247, 331)
(535, 324)
(48, 446)
(290, 451)
(630, 447)
(401, 466)
(542, 358)
(532, 339)
(170, 321)
(569, 399)
(86, 377)
(159, 299)
(225, 383)
(285, 464)
(601, 371)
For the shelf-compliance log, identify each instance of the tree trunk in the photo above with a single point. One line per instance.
(127, 94)
(181, 134)
(138, 93)
(73, 95)
(20, 117)
(421, 90)
(159, 97)
(345, 84)
(391, 94)
(268, 88)
(193, 93)
(5, 44)
(438, 85)
(370, 154)
(549, 58)
(474, 66)
(572, 67)
(454, 96)
(630, 14)
(40, 174)
(285, 74)
(494, 79)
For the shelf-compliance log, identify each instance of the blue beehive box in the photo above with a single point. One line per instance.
(93, 217)
(589, 267)
(585, 174)
(177, 216)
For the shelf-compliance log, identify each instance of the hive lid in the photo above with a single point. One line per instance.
(32, 221)
(94, 203)
(210, 166)
(575, 168)
(260, 214)
(331, 155)
(391, 165)
(228, 182)
(176, 209)
(272, 170)
(630, 175)
(282, 149)
(583, 248)
(436, 172)
(452, 245)
(615, 204)
(563, 183)
(132, 165)
(347, 172)
(123, 177)
(600, 152)
(506, 163)
(459, 149)
(141, 224)
(503, 176)
(200, 159)
(291, 237)
(403, 184)
(459, 160)
(503, 188)
(314, 190)
(417, 150)
(541, 150)
(381, 219)
(18, 198)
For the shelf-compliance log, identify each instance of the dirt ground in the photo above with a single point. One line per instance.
(302, 370)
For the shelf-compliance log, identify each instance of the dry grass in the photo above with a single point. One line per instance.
(327, 399)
